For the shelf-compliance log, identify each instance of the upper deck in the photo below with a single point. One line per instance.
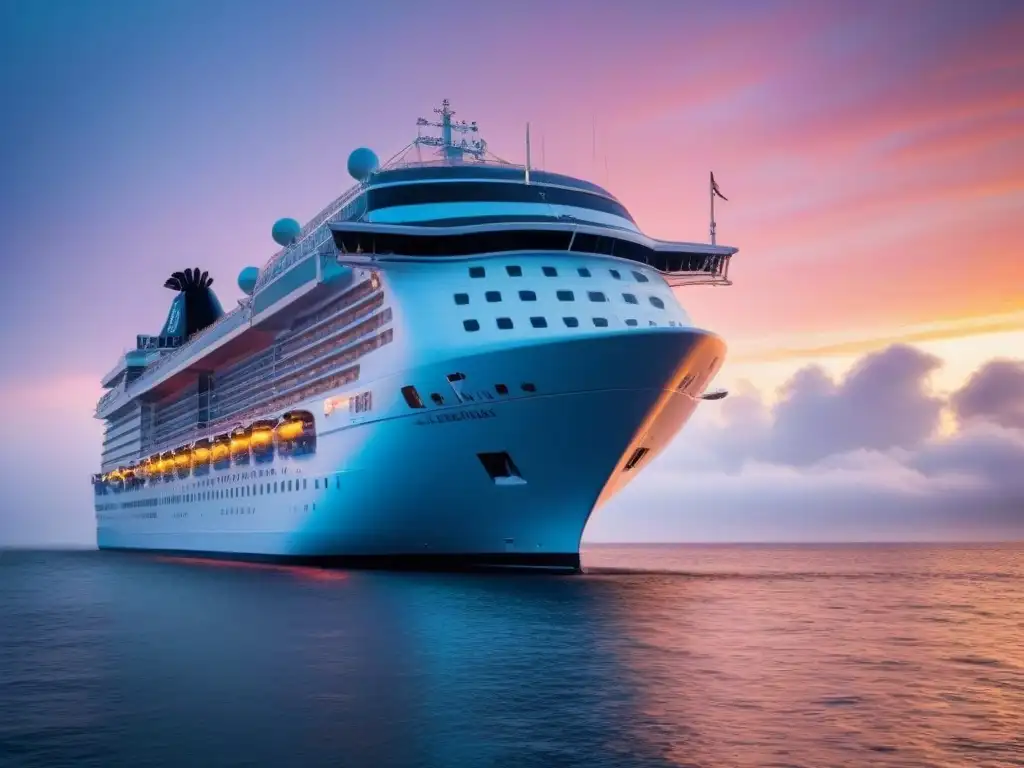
(459, 197)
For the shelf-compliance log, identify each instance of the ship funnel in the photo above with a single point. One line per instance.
(195, 307)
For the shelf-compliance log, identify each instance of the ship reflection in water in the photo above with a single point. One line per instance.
(710, 656)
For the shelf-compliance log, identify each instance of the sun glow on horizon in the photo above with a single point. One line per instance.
(963, 347)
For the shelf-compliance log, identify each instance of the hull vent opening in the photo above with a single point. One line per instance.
(412, 397)
(636, 458)
(456, 381)
(501, 469)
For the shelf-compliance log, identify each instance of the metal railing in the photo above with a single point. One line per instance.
(314, 234)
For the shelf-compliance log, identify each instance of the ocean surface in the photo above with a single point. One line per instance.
(659, 656)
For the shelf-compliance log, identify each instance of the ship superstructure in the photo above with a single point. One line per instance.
(452, 364)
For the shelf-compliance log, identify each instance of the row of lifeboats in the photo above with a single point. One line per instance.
(292, 435)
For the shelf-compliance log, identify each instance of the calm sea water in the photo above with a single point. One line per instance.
(661, 656)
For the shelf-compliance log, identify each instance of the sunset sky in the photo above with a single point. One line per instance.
(872, 154)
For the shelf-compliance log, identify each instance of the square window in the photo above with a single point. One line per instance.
(601, 322)
(565, 296)
(501, 389)
(476, 272)
(584, 272)
(471, 325)
(640, 277)
(631, 321)
(655, 301)
(505, 323)
(550, 272)
(629, 298)
(596, 296)
(570, 322)
(538, 322)
(527, 296)
(514, 271)
(462, 298)
(493, 296)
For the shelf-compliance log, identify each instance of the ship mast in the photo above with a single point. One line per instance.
(450, 150)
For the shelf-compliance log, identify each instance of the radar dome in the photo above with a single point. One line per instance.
(247, 280)
(285, 231)
(362, 163)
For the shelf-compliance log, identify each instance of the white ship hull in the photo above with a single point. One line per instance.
(411, 490)
(453, 364)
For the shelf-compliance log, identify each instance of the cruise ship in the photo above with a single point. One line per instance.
(451, 366)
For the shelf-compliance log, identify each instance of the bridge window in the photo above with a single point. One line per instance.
(493, 296)
(471, 325)
(505, 323)
(565, 296)
(655, 301)
(462, 298)
(514, 271)
(538, 322)
(527, 296)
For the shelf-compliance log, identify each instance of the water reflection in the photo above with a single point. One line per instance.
(694, 656)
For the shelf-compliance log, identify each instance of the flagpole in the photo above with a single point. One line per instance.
(711, 190)
(527, 153)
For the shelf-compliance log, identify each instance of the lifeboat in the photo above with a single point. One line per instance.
(155, 474)
(221, 451)
(129, 477)
(240, 446)
(261, 440)
(167, 465)
(201, 454)
(115, 480)
(296, 434)
(183, 462)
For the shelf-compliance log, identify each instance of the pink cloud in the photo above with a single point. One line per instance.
(855, 459)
